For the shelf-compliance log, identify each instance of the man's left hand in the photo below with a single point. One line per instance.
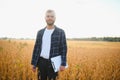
(62, 68)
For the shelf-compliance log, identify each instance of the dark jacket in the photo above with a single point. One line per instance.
(58, 46)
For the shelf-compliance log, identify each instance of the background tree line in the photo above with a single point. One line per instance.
(111, 39)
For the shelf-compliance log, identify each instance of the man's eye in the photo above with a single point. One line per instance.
(50, 16)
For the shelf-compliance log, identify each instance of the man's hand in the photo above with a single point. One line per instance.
(33, 68)
(62, 68)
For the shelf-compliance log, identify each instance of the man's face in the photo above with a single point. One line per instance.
(50, 18)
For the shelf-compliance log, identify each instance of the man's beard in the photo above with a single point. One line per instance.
(50, 23)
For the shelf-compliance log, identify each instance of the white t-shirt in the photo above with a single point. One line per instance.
(46, 43)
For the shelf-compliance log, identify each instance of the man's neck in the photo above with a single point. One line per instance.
(50, 26)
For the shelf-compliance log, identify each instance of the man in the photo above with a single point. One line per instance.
(50, 42)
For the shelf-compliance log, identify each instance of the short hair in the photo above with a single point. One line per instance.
(50, 11)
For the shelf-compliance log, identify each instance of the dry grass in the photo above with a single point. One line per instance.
(88, 60)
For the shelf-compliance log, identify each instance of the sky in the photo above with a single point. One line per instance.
(78, 18)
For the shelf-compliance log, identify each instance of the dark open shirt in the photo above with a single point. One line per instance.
(58, 46)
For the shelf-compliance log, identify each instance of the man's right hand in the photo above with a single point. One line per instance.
(33, 68)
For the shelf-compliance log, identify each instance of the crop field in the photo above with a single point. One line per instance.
(87, 60)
